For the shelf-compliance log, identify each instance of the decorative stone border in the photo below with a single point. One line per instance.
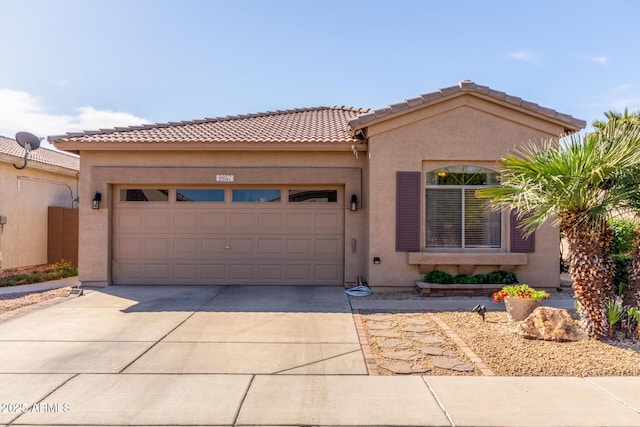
(364, 344)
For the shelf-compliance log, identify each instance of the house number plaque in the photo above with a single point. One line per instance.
(225, 178)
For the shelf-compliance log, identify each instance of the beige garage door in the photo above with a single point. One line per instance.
(233, 235)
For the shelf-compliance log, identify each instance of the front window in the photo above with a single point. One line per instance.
(455, 218)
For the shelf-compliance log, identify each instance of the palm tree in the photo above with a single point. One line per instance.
(577, 183)
(625, 118)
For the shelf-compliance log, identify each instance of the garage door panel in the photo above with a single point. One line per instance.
(299, 222)
(270, 247)
(157, 271)
(242, 246)
(214, 222)
(129, 220)
(131, 271)
(242, 221)
(186, 271)
(326, 273)
(186, 222)
(157, 221)
(242, 272)
(327, 222)
(270, 222)
(301, 247)
(157, 247)
(328, 247)
(298, 272)
(214, 273)
(271, 272)
(186, 247)
(127, 247)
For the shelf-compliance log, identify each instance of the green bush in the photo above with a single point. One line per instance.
(437, 276)
(623, 235)
(495, 277)
(622, 263)
(56, 271)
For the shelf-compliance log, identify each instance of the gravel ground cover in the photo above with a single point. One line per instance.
(506, 353)
(15, 301)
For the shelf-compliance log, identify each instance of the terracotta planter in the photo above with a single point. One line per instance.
(519, 309)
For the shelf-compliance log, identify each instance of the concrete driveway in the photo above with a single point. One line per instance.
(189, 329)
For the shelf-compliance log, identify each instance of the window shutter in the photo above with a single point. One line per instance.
(408, 186)
(519, 243)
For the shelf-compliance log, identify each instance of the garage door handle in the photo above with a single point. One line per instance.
(227, 247)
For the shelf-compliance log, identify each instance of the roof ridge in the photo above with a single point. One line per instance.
(463, 86)
(206, 120)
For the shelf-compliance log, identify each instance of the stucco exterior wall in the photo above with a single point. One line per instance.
(464, 131)
(103, 169)
(25, 196)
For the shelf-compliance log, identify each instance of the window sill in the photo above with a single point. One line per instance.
(466, 262)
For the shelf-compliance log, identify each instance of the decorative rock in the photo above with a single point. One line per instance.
(437, 351)
(405, 368)
(429, 339)
(381, 325)
(417, 321)
(550, 324)
(385, 334)
(402, 355)
(452, 364)
(418, 329)
(394, 344)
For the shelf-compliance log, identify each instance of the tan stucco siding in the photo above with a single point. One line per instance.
(101, 170)
(463, 131)
(25, 196)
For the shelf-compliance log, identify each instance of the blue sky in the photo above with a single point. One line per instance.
(71, 65)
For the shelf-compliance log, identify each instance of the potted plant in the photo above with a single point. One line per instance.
(519, 300)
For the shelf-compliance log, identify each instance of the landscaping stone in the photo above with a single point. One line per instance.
(394, 344)
(381, 325)
(437, 351)
(385, 334)
(402, 355)
(429, 339)
(550, 324)
(452, 364)
(418, 329)
(417, 321)
(405, 368)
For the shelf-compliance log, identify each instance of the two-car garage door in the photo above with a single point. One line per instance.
(228, 235)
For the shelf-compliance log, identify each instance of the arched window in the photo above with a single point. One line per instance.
(455, 218)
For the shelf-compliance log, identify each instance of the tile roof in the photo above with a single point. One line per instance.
(42, 155)
(465, 86)
(319, 124)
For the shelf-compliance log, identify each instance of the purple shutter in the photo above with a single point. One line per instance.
(408, 211)
(520, 243)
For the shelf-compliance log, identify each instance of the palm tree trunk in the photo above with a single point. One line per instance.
(591, 268)
(631, 294)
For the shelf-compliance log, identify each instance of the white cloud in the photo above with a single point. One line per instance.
(62, 83)
(21, 111)
(526, 56)
(602, 60)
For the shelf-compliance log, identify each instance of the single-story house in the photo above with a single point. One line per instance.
(49, 179)
(315, 196)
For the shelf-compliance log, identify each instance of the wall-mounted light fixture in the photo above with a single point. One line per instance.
(354, 203)
(96, 201)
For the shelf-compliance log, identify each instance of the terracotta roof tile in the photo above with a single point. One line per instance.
(42, 155)
(320, 124)
(462, 87)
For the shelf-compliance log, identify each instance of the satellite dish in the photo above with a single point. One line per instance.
(29, 142)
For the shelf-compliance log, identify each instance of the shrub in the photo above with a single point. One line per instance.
(495, 277)
(622, 231)
(437, 276)
(622, 263)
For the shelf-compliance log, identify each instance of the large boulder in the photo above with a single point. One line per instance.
(550, 324)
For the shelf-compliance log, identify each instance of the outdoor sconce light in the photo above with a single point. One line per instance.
(354, 203)
(480, 309)
(96, 201)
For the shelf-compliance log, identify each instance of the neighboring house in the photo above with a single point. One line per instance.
(50, 179)
(267, 198)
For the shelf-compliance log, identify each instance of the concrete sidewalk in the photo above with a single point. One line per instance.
(258, 356)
